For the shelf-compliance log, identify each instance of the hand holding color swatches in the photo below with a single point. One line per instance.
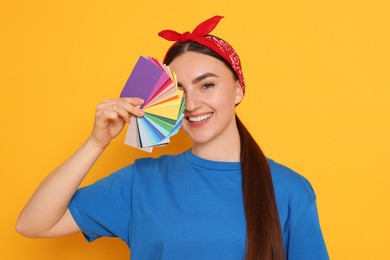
(155, 83)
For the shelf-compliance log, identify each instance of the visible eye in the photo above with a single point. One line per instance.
(207, 85)
(180, 87)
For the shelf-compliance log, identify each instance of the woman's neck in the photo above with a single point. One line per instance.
(222, 149)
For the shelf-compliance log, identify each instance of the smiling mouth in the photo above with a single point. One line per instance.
(198, 119)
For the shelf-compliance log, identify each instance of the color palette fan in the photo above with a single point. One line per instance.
(156, 84)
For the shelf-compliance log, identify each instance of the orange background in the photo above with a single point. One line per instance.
(318, 100)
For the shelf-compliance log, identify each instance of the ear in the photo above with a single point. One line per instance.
(239, 93)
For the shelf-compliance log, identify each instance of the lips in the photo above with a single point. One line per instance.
(199, 118)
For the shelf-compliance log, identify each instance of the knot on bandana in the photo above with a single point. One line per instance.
(201, 35)
(200, 31)
(186, 36)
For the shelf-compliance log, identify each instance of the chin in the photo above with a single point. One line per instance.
(200, 138)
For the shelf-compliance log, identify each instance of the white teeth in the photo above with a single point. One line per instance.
(199, 118)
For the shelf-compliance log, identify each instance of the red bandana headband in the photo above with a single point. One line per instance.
(201, 35)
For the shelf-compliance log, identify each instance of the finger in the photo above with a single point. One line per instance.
(108, 114)
(103, 118)
(130, 108)
(105, 105)
(120, 104)
(121, 111)
(135, 101)
(106, 101)
(136, 111)
(130, 104)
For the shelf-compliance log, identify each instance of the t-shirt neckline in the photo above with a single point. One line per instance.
(209, 164)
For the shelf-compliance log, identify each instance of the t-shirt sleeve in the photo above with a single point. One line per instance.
(105, 207)
(306, 241)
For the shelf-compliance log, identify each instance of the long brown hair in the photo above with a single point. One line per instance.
(263, 231)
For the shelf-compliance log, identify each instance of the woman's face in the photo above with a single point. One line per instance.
(211, 93)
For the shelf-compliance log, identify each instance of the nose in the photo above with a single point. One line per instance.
(192, 101)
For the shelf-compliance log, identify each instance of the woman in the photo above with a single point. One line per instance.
(220, 200)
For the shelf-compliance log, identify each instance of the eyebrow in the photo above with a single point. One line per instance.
(200, 78)
(203, 76)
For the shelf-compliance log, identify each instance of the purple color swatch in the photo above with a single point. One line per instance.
(142, 79)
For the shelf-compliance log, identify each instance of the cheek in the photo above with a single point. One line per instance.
(226, 99)
(184, 127)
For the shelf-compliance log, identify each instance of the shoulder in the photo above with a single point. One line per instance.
(285, 176)
(144, 166)
(291, 188)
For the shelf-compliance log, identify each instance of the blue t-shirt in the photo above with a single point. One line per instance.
(186, 207)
